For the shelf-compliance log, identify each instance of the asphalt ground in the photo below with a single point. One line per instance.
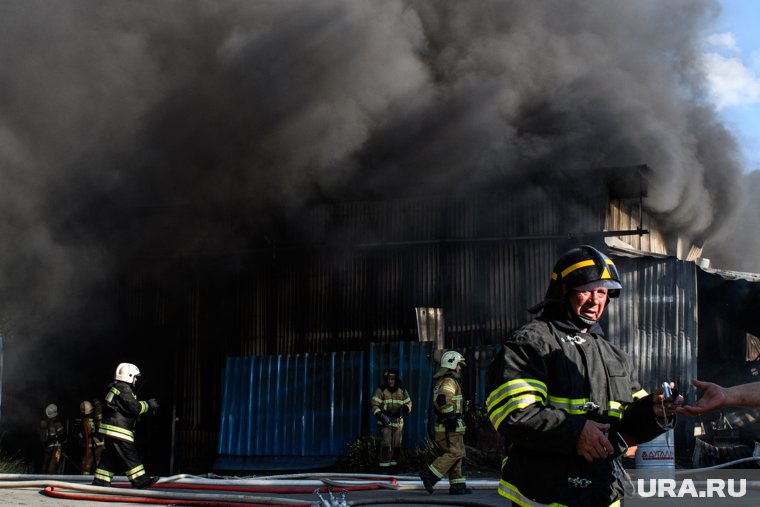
(33, 497)
(484, 494)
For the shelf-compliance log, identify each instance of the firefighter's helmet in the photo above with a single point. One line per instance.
(85, 407)
(390, 375)
(451, 359)
(579, 268)
(127, 372)
(51, 411)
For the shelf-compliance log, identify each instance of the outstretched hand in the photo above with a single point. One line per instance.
(714, 397)
(592, 443)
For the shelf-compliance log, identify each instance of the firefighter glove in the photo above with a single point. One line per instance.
(404, 411)
(383, 418)
(152, 403)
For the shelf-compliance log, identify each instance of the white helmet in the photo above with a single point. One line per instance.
(85, 407)
(127, 372)
(451, 359)
(51, 411)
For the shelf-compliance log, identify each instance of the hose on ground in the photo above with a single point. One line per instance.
(418, 501)
(52, 492)
(175, 496)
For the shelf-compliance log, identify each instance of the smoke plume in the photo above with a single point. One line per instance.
(108, 108)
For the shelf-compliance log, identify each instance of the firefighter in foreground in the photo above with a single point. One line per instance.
(566, 400)
(390, 405)
(52, 438)
(449, 429)
(120, 414)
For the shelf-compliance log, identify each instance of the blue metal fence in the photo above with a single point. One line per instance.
(289, 407)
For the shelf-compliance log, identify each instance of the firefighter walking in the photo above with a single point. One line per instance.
(450, 428)
(52, 438)
(390, 405)
(120, 414)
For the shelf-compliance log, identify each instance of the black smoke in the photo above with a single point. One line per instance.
(112, 108)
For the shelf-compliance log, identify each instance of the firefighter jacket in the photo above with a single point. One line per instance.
(121, 411)
(52, 432)
(448, 402)
(548, 379)
(390, 402)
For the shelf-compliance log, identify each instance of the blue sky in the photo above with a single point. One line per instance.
(732, 59)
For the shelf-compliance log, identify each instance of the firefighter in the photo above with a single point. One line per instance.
(565, 400)
(120, 413)
(449, 429)
(52, 438)
(92, 444)
(390, 405)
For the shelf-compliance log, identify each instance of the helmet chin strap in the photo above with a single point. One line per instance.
(577, 319)
(581, 321)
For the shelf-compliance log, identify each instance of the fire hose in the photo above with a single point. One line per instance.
(297, 483)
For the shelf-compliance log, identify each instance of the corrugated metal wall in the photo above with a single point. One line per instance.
(475, 259)
(291, 405)
(655, 318)
(2, 355)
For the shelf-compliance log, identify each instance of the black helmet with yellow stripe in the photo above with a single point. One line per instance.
(580, 267)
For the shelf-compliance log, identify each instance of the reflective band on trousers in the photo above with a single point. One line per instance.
(510, 491)
(116, 432)
(435, 471)
(136, 472)
(103, 475)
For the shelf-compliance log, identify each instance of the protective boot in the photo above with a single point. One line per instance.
(385, 456)
(428, 480)
(459, 489)
(145, 481)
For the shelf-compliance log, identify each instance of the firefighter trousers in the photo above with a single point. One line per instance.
(120, 455)
(450, 462)
(51, 459)
(390, 441)
(91, 456)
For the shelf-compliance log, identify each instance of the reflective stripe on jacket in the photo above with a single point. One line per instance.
(391, 403)
(547, 381)
(447, 398)
(120, 411)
